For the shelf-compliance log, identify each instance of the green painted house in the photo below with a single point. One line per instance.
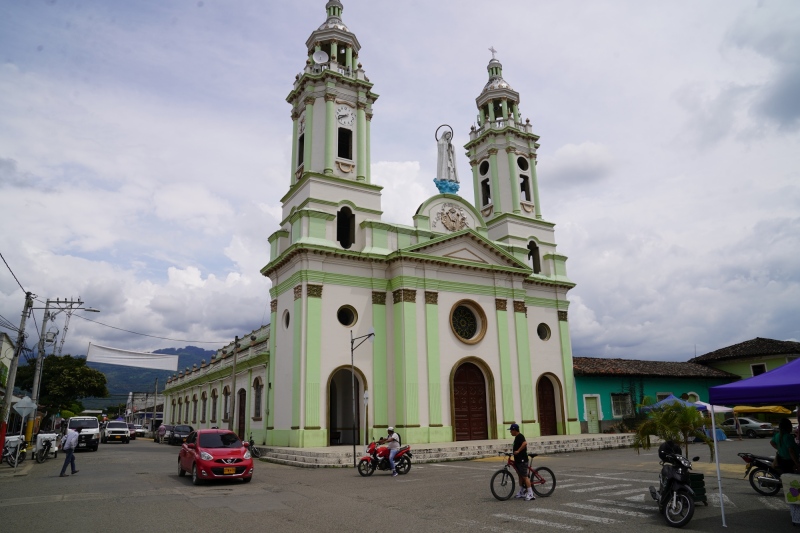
(751, 358)
(609, 390)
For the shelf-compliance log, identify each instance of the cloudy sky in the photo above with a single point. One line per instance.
(144, 149)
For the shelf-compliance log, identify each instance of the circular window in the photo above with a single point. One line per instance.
(286, 319)
(484, 168)
(346, 315)
(543, 330)
(523, 163)
(468, 322)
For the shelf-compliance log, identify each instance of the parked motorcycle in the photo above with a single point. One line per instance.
(764, 478)
(254, 451)
(675, 496)
(377, 458)
(14, 450)
(46, 447)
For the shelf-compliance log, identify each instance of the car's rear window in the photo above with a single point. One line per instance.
(183, 429)
(82, 424)
(118, 425)
(219, 440)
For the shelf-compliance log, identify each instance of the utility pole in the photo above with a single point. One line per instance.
(233, 387)
(12, 371)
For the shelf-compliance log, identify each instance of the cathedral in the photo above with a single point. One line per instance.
(465, 309)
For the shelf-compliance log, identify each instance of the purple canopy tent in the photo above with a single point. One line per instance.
(778, 386)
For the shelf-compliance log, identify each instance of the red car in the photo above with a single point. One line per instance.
(215, 454)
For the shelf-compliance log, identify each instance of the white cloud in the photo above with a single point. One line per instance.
(577, 164)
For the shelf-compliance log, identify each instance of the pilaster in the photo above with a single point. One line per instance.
(308, 134)
(513, 175)
(496, 190)
(524, 362)
(330, 131)
(570, 395)
(504, 351)
(361, 135)
(380, 396)
(432, 348)
(405, 350)
(313, 329)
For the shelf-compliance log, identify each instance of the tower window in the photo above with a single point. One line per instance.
(523, 163)
(484, 168)
(345, 227)
(345, 143)
(533, 254)
(524, 187)
(301, 145)
(486, 192)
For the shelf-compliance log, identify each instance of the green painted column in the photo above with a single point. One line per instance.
(348, 57)
(496, 201)
(248, 409)
(491, 112)
(535, 184)
(515, 110)
(570, 396)
(524, 362)
(482, 116)
(273, 333)
(476, 184)
(432, 349)
(504, 108)
(295, 142)
(334, 51)
(313, 321)
(504, 350)
(308, 135)
(361, 134)
(330, 131)
(369, 159)
(405, 350)
(297, 339)
(380, 370)
(514, 177)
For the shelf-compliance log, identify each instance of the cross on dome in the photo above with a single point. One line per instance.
(493, 51)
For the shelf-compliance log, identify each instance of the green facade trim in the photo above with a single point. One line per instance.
(406, 374)
(333, 180)
(297, 354)
(524, 366)
(330, 132)
(569, 377)
(504, 353)
(380, 369)
(313, 361)
(513, 176)
(496, 200)
(308, 144)
(434, 370)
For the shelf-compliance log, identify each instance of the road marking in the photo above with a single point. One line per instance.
(609, 473)
(579, 484)
(639, 498)
(777, 505)
(601, 487)
(606, 509)
(614, 478)
(575, 516)
(473, 524)
(631, 491)
(623, 504)
(491, 468)
(555, 525)
(713, 499)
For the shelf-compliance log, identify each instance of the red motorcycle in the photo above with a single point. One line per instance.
(378, 459)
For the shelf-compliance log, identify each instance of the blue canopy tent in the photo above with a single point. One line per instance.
(669, 400)
(778, 386)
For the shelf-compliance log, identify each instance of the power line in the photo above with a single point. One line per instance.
(12, 272)
(151, 336)
(5, 323)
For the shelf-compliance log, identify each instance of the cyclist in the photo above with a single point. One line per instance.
(520, 451)
(392, 442)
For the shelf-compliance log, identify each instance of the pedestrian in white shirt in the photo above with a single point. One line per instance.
(69, 443)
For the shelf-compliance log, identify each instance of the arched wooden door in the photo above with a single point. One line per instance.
(469, 401)
(546, 395)
(241, 404)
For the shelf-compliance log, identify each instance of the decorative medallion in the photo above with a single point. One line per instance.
(378, 298)
(452, 216)
(347, 168)
(404, 295)
(562, 316)
(501, 304)
(527, 206)
(431, 297)
(520, 307)
(314, 291)
(298, 292)
(486, 211)
(468, 321)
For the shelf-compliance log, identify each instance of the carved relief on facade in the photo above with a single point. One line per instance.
(520, 307)
(378, 298)
(562, 316)
(404, 295)
(431, 297)
(500, 304)
(298, 292)
(314, 291)
(452, 216)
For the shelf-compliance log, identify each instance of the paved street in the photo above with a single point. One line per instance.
(136, 487)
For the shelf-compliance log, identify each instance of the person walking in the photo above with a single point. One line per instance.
(68, 444)
(162, 430)
(520, 451)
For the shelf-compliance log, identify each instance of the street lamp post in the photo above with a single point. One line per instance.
(371, 337)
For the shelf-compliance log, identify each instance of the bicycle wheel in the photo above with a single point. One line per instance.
(543, 481)
(502, 484)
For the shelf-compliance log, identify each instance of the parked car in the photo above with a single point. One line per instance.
(167, 432)
(88, 428)
(140, 431)
(132, 431)
(179, 434)
(116, 431)
(211, 454)
(750, 427)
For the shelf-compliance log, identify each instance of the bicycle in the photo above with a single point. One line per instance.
(543, 481)
(254, 451)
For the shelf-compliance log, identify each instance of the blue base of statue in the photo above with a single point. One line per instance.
(447, 186)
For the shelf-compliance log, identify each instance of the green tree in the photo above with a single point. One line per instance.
(64, 381)
(672, 422)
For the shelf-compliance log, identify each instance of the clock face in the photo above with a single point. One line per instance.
(345, 115)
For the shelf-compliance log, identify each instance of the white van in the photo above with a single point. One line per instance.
(89, 431)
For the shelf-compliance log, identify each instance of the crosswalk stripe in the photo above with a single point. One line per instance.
(606, 509)
(527, 520)
(624, 504)
(639, 498)
(578, 484)
(771, 503)
(640, 490)
(713, 499)
(576, 516)
(474, 524)
(605, 478)
(601, 487)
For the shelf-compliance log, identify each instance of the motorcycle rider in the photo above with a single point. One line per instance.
(392, 442)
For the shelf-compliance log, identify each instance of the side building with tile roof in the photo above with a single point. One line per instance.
(610, 389)
(751, 358)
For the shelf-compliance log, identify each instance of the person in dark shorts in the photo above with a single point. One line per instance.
(520, 451)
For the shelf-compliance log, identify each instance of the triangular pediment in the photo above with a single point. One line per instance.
(465, 247)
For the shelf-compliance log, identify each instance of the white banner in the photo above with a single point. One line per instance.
(114, 356)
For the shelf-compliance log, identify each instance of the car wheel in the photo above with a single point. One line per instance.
(751, 433)
(195, 480)
(181, 471)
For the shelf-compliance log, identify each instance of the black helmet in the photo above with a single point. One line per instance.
(668, 448)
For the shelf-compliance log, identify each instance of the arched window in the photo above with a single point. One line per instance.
(301, 149)
(345, 143)
(186, 415)
(345, 227)
(226, 404)
(533, 254)
(172, 414)
(194, 409)
(524, 188)
(258, 388)
(204, 401)
(180, 409)
(486, 192)
(214, 405)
